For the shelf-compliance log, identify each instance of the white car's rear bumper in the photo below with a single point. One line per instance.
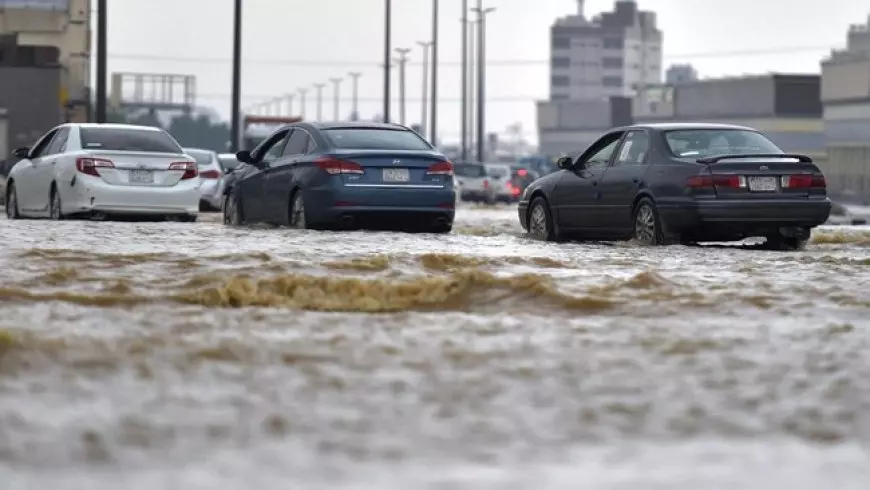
(91, 194)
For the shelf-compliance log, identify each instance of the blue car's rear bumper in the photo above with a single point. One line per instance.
(380, 207)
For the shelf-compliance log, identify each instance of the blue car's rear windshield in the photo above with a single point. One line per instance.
(376, 139)
(694, 143)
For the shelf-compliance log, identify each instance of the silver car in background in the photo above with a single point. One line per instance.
(211, 175)
(499, 175)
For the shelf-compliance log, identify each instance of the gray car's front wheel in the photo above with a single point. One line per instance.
(232, 213)
(541, 221)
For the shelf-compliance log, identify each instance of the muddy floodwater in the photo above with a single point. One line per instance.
(195, 356)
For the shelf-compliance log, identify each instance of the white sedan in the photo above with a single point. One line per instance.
(102, 170)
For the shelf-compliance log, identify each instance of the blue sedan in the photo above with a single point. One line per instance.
(342, 176)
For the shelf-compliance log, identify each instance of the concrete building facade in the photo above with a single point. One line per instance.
(846, 100)
(596, 66)
(786, 107)
(64, 24)
(28, 118)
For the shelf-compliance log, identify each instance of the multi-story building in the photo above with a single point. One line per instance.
(64, 24)
(592, 61)
(846, 98)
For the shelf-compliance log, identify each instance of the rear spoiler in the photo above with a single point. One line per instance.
(718, 158)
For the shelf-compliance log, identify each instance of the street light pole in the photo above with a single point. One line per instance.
(289, 98)
(388, 50)
(102, 58)
(433, 125)
(235, 109)
(402, 62)
(336, 86)
(464, 108)
(303, 92)
(319, 88)
(354, 80)
(472, 78)
(423, 114)
(481, 78)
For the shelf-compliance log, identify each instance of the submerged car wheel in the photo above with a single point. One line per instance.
(787, 243)
(297, 211)
(541, 221)
(12, 202)
(231, 210)
(647, 227)
(56, 210)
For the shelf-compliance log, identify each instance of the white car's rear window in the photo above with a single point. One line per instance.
(120, 139)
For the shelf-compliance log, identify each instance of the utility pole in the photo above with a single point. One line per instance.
(336, 86)
(303, 92)
(402, 62)
(235, 110)
(388, 51)
(289, 98)
(423, 114)
(472, 84)
(481, 78)
(433, 126)
(102, 58)
(354, 81)
(319, 88)
(464, 109)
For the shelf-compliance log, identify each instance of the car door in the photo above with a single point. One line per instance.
(576, 196)
(27, 175)
(279, 179)
(623, 179)
(45, 167)
(252, 186)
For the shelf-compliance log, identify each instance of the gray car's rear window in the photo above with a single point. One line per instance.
(120, 139)
(710, 142)
(376, 139)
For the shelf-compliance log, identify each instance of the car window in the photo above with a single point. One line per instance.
(498, 172)
(634, 149)
(602, 156)
(273, 147)
(203, 158)
(376, 139)
(41, 146)
(298, 143)
(128, 139)
(58, 143)
(709, 142)
(469, 170)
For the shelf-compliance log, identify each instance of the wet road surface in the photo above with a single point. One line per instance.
(194, 356)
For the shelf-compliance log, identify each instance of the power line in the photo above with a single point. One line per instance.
(504, 62)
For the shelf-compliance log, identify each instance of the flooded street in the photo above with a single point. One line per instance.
(195, 356)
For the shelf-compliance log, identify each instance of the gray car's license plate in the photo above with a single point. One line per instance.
(762, 184)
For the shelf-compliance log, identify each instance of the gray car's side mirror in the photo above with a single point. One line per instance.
(244, 156)
(21, 152)
(565, 163)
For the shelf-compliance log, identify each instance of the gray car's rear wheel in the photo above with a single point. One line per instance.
(12, 202)
(232, 212)
(541, 221)
(786, 243)
(647, 225)
(297, 217)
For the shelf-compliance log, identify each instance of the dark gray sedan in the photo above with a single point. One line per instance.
(679, 183)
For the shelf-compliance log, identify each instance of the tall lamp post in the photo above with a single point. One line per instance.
(402, 62)
(354, 88)
(318, 87)
(388, 51)
(464, 108)
(289, 98)
(433, 125)
(336, 87)
(235, 109)
(102, 58)
(424, 110)
(303, 93)
(481, 77)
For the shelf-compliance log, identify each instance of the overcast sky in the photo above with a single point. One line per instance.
(290, 44)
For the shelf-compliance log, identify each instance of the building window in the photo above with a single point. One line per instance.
(561, 42)
(613, 43)
(611, 81)
(560, 81)
(611, 62)
(561, 62)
